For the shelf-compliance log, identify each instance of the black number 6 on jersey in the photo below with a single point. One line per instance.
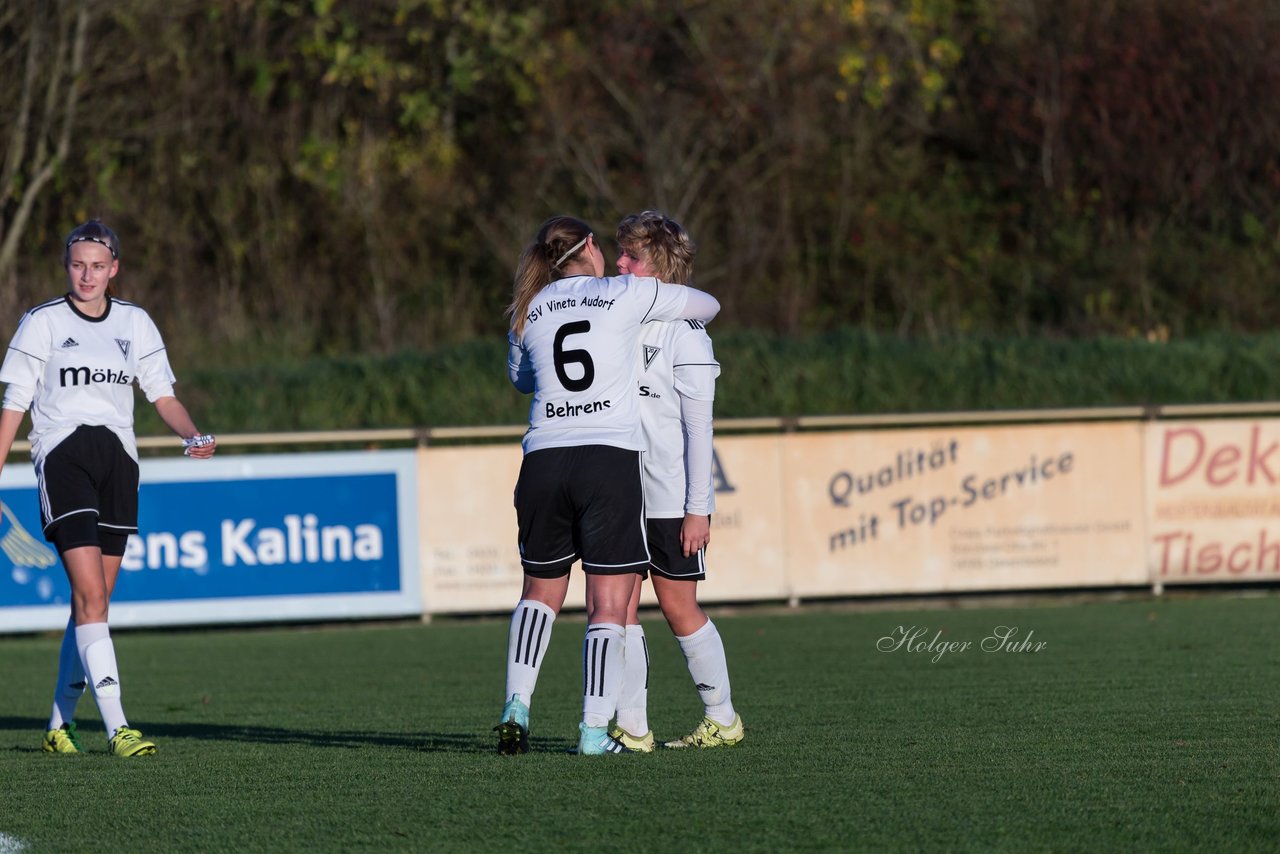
(565, 357)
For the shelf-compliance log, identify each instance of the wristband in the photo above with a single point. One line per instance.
(196, 442)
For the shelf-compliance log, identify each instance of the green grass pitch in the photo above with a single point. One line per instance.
(1138, 725)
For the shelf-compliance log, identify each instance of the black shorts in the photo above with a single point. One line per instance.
(583, 502)
(88, 484)
(666, 555)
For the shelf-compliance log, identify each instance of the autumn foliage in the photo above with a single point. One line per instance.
(299, 178)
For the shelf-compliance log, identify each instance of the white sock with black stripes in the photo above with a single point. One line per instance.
(704, 653)
(98, 655)
(603, 660)
(527, 643)
(70, 687)
(633, 694)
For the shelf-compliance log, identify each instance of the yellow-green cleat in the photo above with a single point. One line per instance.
(711, 734)
(61, 740)
(636, 744)
(129, 742)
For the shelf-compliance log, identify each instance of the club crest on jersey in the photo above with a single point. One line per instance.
(124, 346)
(650, 353)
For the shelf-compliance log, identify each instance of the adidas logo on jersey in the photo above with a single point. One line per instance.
(70, 342)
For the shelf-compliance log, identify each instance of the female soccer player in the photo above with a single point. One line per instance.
(73, 362)
(677, 387)
(573, 344)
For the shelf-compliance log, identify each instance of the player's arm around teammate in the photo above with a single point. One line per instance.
(573, 338)
(677, 390)
(73, 362)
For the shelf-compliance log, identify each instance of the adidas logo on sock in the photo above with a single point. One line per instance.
(106, 682)
(70, 342)
(702, 687)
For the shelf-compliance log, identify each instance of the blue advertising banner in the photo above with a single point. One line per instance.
(237, 539)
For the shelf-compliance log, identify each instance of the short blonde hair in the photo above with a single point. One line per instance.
(662, 241)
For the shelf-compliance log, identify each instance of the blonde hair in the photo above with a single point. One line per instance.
(560, 240)
(661, 240)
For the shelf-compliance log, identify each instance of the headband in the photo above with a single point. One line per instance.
(572, 249)
(99, 240)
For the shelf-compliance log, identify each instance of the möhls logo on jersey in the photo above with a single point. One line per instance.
(91, 376)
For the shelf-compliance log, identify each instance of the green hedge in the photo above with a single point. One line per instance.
(843, 372)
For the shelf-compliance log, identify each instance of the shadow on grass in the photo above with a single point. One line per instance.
(28, 730)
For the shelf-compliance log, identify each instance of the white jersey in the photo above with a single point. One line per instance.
(577, 354)
(676, 361)
(71, 369)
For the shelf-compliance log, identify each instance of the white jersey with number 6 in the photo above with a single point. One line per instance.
(577, 354)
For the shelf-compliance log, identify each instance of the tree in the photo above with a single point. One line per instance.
(49, 41)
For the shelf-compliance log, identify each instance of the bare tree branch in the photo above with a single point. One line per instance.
(44, 165)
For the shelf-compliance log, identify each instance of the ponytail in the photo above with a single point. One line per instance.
(559, 241)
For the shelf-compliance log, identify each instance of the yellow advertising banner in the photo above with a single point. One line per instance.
(468, 534)
(747, 558)
(1213, 501)
(470, 563)
(991, 508)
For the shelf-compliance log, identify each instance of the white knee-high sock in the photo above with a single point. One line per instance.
(633, 694)
(527, 642)
(98, 656)
(70, 686)
(704, 653)
(603, 658)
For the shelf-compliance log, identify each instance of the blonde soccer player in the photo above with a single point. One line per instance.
(572, 344)
(73, 362)
(678, 372)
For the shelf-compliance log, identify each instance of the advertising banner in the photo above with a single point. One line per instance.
(236, 539)
(471, 562)
(1213, 501)
(991, 508)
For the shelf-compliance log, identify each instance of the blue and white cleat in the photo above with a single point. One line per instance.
(513, 732)
(596, 741)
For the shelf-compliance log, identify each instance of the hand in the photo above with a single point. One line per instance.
(200, 447)
(695, 533)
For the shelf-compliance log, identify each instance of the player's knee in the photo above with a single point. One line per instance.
(679, 604)
(90, 606)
